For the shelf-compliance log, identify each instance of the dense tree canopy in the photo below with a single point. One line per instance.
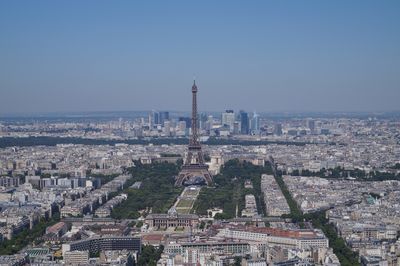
(52, 141)
(26, 236)
(150, 255)
(339, 172)
(157, 190)
(228, 191)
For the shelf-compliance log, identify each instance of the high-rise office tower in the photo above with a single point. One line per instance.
(236, 128)
(255, 123)
(311, 125)
(167, 128)
(278, 129)
(203, 120)
(156, 118)
(188, 121)
(209, 123)
(164, 116)
(150, 121)
(244, 123)
(228, 119)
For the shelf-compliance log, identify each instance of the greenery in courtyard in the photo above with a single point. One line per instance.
(157, 190)
(228, 190)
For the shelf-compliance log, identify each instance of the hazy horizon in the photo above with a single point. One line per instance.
(95, 56)
(129, 114)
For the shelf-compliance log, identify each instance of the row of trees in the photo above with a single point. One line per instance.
(340, 172)
(157, 190)
(318, 219)
(52, 141)
(229, 192)
(346, 256)
(295, 213)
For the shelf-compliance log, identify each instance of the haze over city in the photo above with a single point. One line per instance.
(269, 56)
(200, 133)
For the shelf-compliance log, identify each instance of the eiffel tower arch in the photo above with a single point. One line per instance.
(194, 169)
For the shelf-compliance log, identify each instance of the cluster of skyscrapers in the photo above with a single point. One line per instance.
(234, 123)
(241, 123)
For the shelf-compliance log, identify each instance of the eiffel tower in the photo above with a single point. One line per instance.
(194, 169)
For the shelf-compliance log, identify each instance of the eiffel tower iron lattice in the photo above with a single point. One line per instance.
(194, 167)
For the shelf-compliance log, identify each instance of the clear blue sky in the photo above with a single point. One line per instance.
(253, 55)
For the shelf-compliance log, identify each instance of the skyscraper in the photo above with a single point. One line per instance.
(209, 123)
(311, 125)
(255, 123)
(188, 121)
(156, 118)
(278, 129)
(244, 122)
(236, 128)
(203, 120)
(167, 128)
(164, 116)
(150, 121)
(228, 119)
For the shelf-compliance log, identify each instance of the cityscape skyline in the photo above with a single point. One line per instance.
(269, 178)
(269, 56)
(283, 150)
